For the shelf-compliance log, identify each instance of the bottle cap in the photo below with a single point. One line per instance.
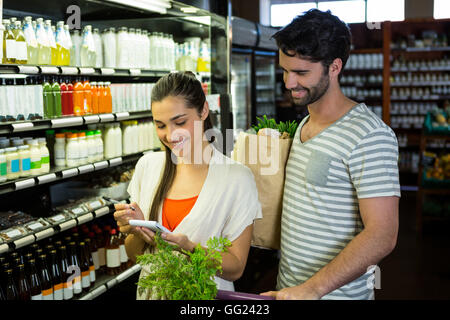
(60, 135)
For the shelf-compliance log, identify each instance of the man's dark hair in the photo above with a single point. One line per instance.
(316, 36)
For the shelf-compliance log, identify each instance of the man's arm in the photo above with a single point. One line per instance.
(377, 240)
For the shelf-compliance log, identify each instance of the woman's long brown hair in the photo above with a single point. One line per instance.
(181, 85)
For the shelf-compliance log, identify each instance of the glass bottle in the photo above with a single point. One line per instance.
(88, 54)
(94, 250)
(52, 43)
(56, 275)
(35, 281)
(24, 286)
(9, 44)
(21, 44)
(66, 273)
(56, 94)
(44, 50)
(123, 253)
(74, 261)
(88, 253)
(46, 280)
(101, 251)
(84, 267)
(113, 254)
(49, 109)
(61, 43)
(12, 292)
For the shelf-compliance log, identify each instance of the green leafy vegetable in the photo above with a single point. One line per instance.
(289, 127)
(177, 274)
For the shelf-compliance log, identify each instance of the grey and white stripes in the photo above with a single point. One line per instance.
(354, 158)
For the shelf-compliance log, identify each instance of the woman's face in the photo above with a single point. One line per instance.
(178, 127)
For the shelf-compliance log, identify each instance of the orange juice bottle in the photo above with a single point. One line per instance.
(108, 97)
(94, 98)
(101, 99)
(78, 98)
(87, 97)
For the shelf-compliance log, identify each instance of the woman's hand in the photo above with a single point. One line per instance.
(180, 240)
(124, 213)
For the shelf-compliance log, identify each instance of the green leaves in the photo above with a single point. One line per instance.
(183, 275)
(290, 126)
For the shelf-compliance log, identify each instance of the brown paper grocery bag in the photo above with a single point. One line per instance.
(266, 157)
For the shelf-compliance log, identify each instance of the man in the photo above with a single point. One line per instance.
(340, 203)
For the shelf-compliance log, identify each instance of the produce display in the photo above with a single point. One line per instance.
(286, 130)
(440, 168)
(182, 275)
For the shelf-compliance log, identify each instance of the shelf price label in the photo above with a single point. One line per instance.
(107, 117)
(91, 119)
(28, 183)
(85, 218)
(28, 69)
(87, 70)
(107, 71)
(24, 241)
(69, 70)
(4, 248)
(86, 168)
(68, 224)
(49, 70)
(115, 162)
(69, 173)
(24, 126)
(47, 178)
(101, 212)
(135, 72)
(44, 233)
(67, 122)
(122, 116)
(101, 165)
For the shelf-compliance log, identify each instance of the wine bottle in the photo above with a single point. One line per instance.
(46, 281)
(66, 273)
(56, 275)
(84, 266)
(35, 288)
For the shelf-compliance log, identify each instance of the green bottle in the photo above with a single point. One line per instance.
(49, 109)
(56, 92)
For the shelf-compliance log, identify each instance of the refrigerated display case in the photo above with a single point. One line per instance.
(254, 54)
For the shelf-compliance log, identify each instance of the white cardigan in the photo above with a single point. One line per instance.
(227, 204)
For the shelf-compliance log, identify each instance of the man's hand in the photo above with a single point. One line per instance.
(301, 292)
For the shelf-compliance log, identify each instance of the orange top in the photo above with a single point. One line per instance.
(174, 211)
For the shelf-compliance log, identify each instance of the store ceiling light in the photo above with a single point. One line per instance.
(159, 6)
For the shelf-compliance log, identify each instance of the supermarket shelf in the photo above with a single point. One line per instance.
(421, 69)
(104, 282)
(78, 71)
(420, 98)
(424, 49)
(58, 173)
(68, 121)
(419, 84)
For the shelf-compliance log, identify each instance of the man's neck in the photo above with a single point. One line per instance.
(328, 109)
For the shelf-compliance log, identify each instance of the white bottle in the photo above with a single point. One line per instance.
(118, 139)
(109, 48)
(99, 143)
(98, 48)
(92, 146)
(72, 150)
(35, 155)
(75, 53)
(122, 48)
(12, 163)
(125, 140)
(25, 160)
(141, 136)
(87, 52)
(60, 150)
(83, 145)
(109, 141)
(45, 155)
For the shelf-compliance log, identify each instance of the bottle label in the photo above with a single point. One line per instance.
(92, 273)
(10, 49)
(113, 258)
(26, 164)
(21, 51)
(15, 165)
(86, 279)
(45, 160)
(47, 294)
(77, 285)
(58, 292)
(35, 164)
(3, 169)
(96, 260)
(123, 254)
(67, 290)
(37, 297)
(101, 257)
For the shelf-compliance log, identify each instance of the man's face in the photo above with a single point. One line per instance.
(307, 81)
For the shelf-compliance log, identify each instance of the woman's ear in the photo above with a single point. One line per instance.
(205, 111)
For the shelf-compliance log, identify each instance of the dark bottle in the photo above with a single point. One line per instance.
(94, 251)
(66, 274)
(56, 275)
(74, 262)
(84, 266)
(2, 295)
(23, 285)
(88, 253)
(37, 253)
(67, 240)
(35, 281)
(76, 238)
(46, 281)
(101, 251)
(12, 292)
(123, 253)
(113, 254)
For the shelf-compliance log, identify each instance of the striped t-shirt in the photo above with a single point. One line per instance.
(354, 158)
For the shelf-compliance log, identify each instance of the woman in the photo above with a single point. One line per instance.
(191, 188)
